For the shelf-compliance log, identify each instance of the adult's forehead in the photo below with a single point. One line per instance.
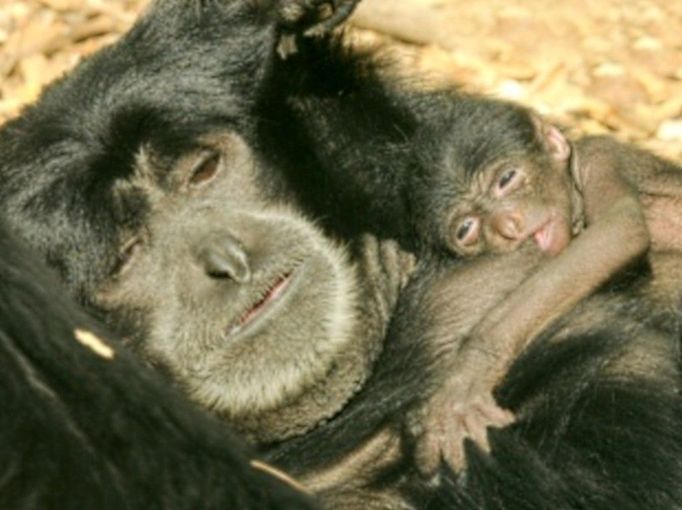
(61, 159)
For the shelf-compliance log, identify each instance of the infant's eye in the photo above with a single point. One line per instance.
(126, 255)
(466, 233)
(506, 178)
(206, 169)
(464, 228)
(508, 182)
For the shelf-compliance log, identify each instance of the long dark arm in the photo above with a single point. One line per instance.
(345, 133)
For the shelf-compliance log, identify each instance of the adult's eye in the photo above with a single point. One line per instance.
(206, 169)
(126, 255)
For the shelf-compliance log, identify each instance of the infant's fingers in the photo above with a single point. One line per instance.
(453, 446)
(476, 423)
(427, 455)
(499, 417)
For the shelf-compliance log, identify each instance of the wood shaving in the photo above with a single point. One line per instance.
(613, 66)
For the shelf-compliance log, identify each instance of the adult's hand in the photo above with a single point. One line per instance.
(314, 17)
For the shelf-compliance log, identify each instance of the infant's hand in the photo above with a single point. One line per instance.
(463, 408)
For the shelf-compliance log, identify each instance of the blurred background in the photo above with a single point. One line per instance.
(601, 66)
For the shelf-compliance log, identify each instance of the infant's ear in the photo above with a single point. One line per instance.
(553, 139)
(557, 143)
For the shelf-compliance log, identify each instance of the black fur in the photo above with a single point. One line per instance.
(336, 138)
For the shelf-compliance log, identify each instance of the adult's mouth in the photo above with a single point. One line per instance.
(263, 304)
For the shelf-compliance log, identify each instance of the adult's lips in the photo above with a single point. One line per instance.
(272, 294)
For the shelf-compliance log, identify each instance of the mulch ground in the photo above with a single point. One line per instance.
(595, 66)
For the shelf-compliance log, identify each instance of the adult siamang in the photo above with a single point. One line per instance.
(251, 226)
